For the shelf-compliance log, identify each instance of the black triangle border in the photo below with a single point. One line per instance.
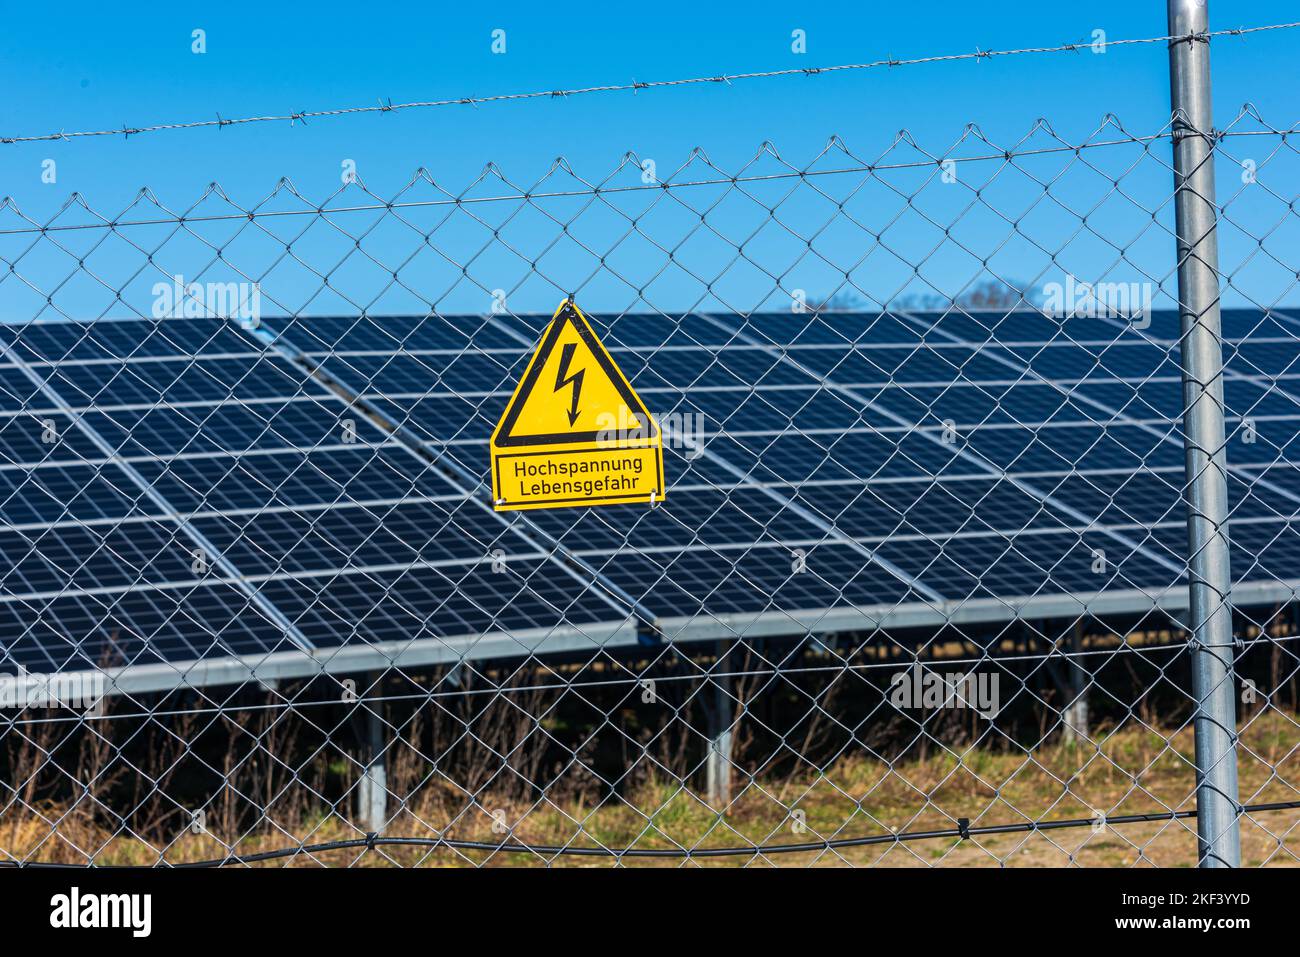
(506, 438)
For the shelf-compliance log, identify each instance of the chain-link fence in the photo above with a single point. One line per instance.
(936, 424)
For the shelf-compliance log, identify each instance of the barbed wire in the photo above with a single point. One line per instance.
(387, 106)
(1111, 132)
(592, 190)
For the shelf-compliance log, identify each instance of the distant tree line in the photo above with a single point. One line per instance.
(988, 294)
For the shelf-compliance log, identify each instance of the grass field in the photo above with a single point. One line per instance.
(856, 796)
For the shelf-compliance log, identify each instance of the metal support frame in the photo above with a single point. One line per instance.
(1075, 715)
(1210, 580)
(372, 789)
(722, 724)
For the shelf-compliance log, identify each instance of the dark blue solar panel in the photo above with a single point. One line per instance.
(178, 380)
(1276, 441)
(32, 496)
(117, 339)
(17, 391)
(1029, 565)
(303, 479)
(389, 334)
(291, 542)
(824, 434)
(1264, 551)
(691, 584)
(1259, 400)
(637, 330)
(162, 431)
(933, 509)
(1122, 496)
(432, 602)
(98, 557)
(143, 627)
(1257, 324)
(425, 373)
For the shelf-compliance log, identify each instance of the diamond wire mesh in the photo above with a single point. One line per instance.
(923, 412)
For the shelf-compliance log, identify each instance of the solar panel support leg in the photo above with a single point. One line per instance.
(372, 791)
(1076, 712)
(721, 718)
(1209, 576)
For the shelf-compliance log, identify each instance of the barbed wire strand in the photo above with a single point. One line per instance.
(635, 86)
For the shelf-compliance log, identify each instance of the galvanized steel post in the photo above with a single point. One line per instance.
(1210, 580)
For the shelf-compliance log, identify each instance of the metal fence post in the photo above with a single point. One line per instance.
(1206, 459)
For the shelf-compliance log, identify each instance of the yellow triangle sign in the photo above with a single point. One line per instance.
(575, 432)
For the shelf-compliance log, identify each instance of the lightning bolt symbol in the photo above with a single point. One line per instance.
(562, 379)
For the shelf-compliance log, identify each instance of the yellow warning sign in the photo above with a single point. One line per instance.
(574, 432)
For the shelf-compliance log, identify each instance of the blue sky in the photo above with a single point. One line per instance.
(96, 66)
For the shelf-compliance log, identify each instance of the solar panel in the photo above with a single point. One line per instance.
(317, 487)
(219, 475)
(781, 425)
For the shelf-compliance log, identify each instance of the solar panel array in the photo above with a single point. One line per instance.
(190, 489)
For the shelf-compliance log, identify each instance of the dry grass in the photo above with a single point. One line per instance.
(1128, 772)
